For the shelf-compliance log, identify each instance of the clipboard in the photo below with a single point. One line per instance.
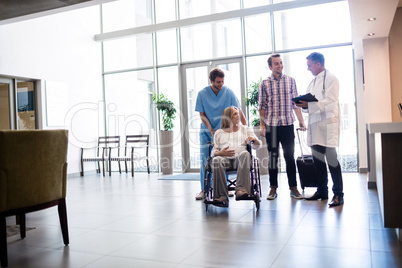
(307, 97)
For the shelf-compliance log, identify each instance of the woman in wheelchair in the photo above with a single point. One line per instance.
(230, 153)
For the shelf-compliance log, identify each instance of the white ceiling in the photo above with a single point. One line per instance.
(360, 11)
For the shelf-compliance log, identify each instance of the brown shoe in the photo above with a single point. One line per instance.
(272, 194)
(295, 193)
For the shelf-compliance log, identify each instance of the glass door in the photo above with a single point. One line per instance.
(25, 105)
(195, 78)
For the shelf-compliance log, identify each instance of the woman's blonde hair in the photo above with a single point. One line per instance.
(226, 121)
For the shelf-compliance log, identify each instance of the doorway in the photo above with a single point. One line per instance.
(195, 78)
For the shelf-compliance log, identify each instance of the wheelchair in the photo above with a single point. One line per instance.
(231, 183)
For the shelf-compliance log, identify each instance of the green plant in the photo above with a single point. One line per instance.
(166, 108)
(251, 101)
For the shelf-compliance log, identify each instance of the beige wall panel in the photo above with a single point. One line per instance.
(395, 51)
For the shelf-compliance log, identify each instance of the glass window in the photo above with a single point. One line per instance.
(166, 47)
(258, 33)
(131, 13)
(127, 53)
(168, 83)
(161, 8)
(26, 105)
(312, 26)
(339, 61)
(129, 107)
(211, 40)
(195, 8)
(196, 79)
(282, 1)
(255, 3)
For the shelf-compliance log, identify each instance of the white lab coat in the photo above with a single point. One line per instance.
(324, 116)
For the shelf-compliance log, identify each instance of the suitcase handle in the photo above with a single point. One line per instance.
(301, 149)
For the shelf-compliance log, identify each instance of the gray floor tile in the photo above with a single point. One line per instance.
(120, 221)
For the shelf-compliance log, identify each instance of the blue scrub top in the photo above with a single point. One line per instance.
(213, 105)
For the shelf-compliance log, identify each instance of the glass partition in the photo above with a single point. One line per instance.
(128, 53)
(168, 83)
(211, 40)
(166, 47)
(129, 108)
(195, 8)
(131, 13)
(312, 26)
(256, 39)
(26, 105)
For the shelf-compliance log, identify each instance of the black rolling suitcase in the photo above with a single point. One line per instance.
(306, 168)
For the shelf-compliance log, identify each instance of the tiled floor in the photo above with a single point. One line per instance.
(145, 222)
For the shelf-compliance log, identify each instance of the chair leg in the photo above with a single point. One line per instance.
(110, 167)
(132, 167)
(3, 242)
(82, 168)
(103, 165)
(148, 166)
(119, 166)
(22, 222)
(62, 208)
(125, 163)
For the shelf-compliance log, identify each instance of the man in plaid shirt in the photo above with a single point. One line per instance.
(276, 108)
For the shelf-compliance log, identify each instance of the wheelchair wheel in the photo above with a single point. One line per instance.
(257, 201)
(207, 185)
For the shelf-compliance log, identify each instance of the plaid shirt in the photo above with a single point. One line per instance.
(275, 97)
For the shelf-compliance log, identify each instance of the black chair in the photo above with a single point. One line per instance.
(135, 149)
(105, 143)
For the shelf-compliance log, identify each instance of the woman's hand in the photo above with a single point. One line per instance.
(225, 152)
(249, 139)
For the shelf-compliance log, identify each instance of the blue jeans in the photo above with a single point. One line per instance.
(320, 153)
(205, 136)
(286, 136)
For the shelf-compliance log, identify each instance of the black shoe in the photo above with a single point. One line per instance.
(337, 200)
(317, 196)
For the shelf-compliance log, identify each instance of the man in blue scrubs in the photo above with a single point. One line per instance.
(211, 101)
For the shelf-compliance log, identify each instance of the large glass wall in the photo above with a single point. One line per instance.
(152, 60)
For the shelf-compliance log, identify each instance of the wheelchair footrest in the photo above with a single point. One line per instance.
(217, 203)
(245, 197)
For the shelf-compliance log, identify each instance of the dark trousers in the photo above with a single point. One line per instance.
(320, 154)
(286, 137)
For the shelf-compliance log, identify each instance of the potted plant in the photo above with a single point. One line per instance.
(251, 101)
(168, 112)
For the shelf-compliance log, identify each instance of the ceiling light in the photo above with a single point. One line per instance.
(371, 34)
(371, 19)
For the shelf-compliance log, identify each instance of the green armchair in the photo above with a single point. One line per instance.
(33, 176)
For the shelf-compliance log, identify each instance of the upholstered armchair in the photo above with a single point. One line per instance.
(33, 176)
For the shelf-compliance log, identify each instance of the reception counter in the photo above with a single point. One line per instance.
(385, 167)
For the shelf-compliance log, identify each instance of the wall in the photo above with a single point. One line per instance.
(361, 116)
(61, 48)
(377, 80)
(395, 50)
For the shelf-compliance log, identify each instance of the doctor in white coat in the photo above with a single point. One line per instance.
(324, 128)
